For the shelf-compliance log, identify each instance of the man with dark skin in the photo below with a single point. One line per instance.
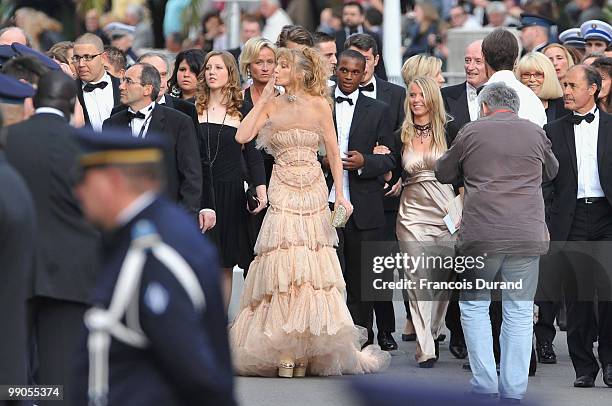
(361, 123)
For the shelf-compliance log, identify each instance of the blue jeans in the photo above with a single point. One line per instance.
(516, 331)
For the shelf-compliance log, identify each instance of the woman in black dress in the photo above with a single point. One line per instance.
(257, 63)
(187, 67)
(218, 104)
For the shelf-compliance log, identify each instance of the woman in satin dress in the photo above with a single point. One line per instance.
(420, 226)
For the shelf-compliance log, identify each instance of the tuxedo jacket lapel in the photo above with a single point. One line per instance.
(602, 140)
(116, 95)
(383, 91)
(157, 120)
(82, 100)
(570, 141)
(359, 114)
(458, 106)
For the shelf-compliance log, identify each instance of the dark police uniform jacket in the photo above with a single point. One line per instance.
(187, 360)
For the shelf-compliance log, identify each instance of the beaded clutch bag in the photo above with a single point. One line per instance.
(339, 217)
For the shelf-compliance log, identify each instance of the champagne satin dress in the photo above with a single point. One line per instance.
(421, 230)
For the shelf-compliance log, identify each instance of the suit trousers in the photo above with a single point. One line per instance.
(550, 289)
(350, 255)
(58, 326)
(583, 281)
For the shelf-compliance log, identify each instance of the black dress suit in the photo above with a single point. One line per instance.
(456, 105)
(370, 125)
(42, 150)
(393, 96)
(18, 230)
(549, 284)
(341, 36)
(115, 82)
(576, 221)
(185, 107)
(184, 183)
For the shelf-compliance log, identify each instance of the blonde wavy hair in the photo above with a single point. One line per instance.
(231, 90)
(437, 114)
(538, 62)
(309, 70)
(34, 23)
(420, 65)
(251, 51)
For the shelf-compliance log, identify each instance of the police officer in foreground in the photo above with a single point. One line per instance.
(18, 230)
(157, 332)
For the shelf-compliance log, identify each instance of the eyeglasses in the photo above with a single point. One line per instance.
(129, 81)
(536, 75)
(86, 58)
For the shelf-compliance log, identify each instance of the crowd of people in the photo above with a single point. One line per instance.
(120, 157)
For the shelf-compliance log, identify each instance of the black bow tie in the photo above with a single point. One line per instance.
(367, 88)
(90, 87)
(340, 99)
(576, 119)
(132, 115)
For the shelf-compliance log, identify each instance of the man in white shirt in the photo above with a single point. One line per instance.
(580, 211)
(500, 50)
(98, 92)
(276, 19)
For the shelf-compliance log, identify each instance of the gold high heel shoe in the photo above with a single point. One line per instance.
(285, 369)
(299, 370)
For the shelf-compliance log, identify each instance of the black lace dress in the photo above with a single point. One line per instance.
(231, 234)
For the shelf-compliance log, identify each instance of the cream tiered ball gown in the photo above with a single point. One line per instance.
(293, 302)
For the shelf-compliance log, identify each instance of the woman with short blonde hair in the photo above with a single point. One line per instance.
(252, 52)
(423, 65)
(537, 72)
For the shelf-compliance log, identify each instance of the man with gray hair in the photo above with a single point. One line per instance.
(139, 90)
(10, 35)
(143, 33)
(502, 161)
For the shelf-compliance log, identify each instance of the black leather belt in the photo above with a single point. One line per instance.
(590, 200)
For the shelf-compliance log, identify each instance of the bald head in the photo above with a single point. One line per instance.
(90, 39)
(474, 64)
(13, 34)
(57, 90)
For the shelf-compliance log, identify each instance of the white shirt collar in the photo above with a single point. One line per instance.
(145, 110)
(502, 76)
(105, 78)
(353, 96)
(594, 110)
(162, 100)
(49, 110)
(142, 202)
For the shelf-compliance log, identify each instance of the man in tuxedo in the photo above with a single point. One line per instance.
(461, 104)
(139, 91)
(353, 17)
(42, 151)
(580, 211)
(394, 97)
(97, 91)
(361, 124)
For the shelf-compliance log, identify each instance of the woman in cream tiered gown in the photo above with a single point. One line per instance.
(293, 317)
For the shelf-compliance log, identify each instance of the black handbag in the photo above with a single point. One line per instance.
(251, 198)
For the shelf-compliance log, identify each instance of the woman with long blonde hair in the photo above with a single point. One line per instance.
(218, 103)
(423, 203)
(293, 318)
